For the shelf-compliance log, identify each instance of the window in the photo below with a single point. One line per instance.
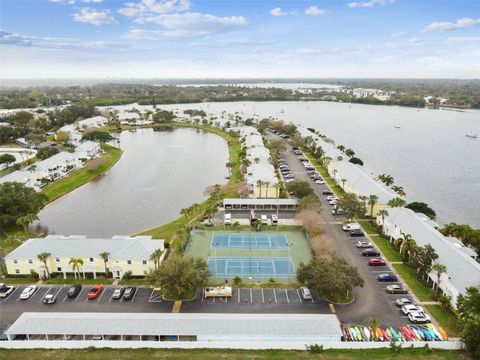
(17, 271)
(15, 261)
(144, 262)
(59, 269)
(30, 261)
(129, 262)
(57, 259)
(91, 259)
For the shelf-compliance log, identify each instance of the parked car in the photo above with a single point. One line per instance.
(6, 290)
(227, 219)
(387, 277)
(418, 317)
(356, 233)
(319, 182)
(351, 226)
(264, 219)
(49, 299)
(363, 244)
(403, 301)
(408, 308)
(396, 289)
(274, 220)
(74, 290)
(327, 192)
(28, 292)
(288, 176)
(370, 252)
(117, 293)
(94, 292)
(305, 292)
(289, 180)
(338, 211)
(376, 262)
(129, 293)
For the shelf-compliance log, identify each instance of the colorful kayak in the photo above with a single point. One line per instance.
(366, 332)
(386, 335)
(395, 335)
(443, 333)
(379, 334)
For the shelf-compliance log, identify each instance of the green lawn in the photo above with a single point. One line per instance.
(384, 245)
(369, 227)
(12, 237)
(226, 354)
(445, 319)
(324, 173)
(18, 280)
(71, 280)
(83, 175)
(409, 275)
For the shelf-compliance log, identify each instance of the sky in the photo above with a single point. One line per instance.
(239, 38)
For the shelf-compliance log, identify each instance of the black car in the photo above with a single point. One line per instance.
(327, 193)
(356, 233)
(74, 290)
(129, 293)
(370, 252)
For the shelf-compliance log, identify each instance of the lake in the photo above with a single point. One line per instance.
(429, 155)
(158, 174)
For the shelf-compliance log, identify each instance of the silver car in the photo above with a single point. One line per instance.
(306, 294)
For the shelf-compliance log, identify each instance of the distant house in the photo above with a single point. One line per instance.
(56, 166)
(75, 130)
(262, 180)
(23, 143)
(127, 118)
(126, 254)
(88, 150)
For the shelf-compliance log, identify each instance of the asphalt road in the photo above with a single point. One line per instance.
(371, 300)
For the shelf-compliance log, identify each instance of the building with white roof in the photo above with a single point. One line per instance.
(26, 178)
(462, 270)
(260, 153)
(262, 180)
(179, 327)
(126, 254)
(88, 150)
(253, 141)
(56, 166)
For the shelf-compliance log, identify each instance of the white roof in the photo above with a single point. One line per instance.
(263, 172)
(128, 116)
(21, 176)
(87, 146)
(54, 160)
(363, 183)
(119, 247)
(290, 327)
(253, 140)
(462, 270)
(238, 201)
(258, 152)
(94, 121)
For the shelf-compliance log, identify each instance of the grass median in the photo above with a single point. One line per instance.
(387, 250)
(445, 319)
(410, 276)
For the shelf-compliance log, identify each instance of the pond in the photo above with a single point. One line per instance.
(159, 173)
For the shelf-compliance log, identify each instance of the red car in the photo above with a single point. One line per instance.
(376, 262)
(94, 292)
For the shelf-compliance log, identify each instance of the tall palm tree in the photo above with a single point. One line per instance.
(266, 183)
(43, 257)
(383, 213)
(409, 247)
(349, 152)
(76, 263)
(343, 183)
(155, 257)
(341, 148)
(399, 190)
(439, 270)
(104, 255)
(259, 184)
(372, 200)
(388, 180)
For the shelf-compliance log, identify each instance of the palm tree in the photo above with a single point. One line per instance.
(266, 183)
(259, 184)
(372, 200)
(343, 183)
(383, 213)
(155, 257)
(341, 148)
(26, 220)
(43, 257)
(397, 202)
(104, 255)
(76, 263)
(349, 152)
(399, 190)
(387, 180)
(439, 270)
(409, 246)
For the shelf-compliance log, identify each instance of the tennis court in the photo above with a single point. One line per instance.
(249, 241)
(255, 267)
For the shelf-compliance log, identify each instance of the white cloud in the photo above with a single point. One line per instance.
(187, 25)
(445, 25)
(462, 40)
(398, 34)
(70, 2)
(92, 1)
(151, 7)
(95, 17)
(314, 10)
(279, 12)
(369, 3)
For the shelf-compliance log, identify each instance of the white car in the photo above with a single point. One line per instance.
(28, 292)
(319, 182)
(408, 308)
(403, 301)
(363, 244)
(264, 219)
(418, 317)
(6, 290)
(351, 226)
(306, 294)
(49, 299)
(227, 219)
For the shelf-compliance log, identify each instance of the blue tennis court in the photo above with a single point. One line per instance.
(256, 267)
(249, 241)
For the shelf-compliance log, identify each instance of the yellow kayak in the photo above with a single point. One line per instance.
(443, 333)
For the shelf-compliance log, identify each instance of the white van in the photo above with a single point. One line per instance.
(274, 220)
(264, 219)
(351, 226)
(227, 219)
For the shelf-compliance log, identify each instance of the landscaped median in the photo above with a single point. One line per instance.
(83, 175)
(322, 170)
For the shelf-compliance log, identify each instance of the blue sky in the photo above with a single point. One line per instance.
(241, 38)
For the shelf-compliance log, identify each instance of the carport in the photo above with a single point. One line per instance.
(260, 204)
(200, 327)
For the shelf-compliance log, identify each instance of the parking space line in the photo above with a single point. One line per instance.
(275, 295)
(263, 298)
(251, 301)
(286, 294)
(46, 293)
(299, 297)
(101, 295)
(239, 295)
(58, 292)
(13, 292)
(35, 293)
(78, 296)
(134, 295)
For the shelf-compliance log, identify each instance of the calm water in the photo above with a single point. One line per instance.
(158, 174)
(429, 155)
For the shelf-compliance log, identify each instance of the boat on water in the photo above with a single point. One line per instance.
(471, 135)
(396, 126)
